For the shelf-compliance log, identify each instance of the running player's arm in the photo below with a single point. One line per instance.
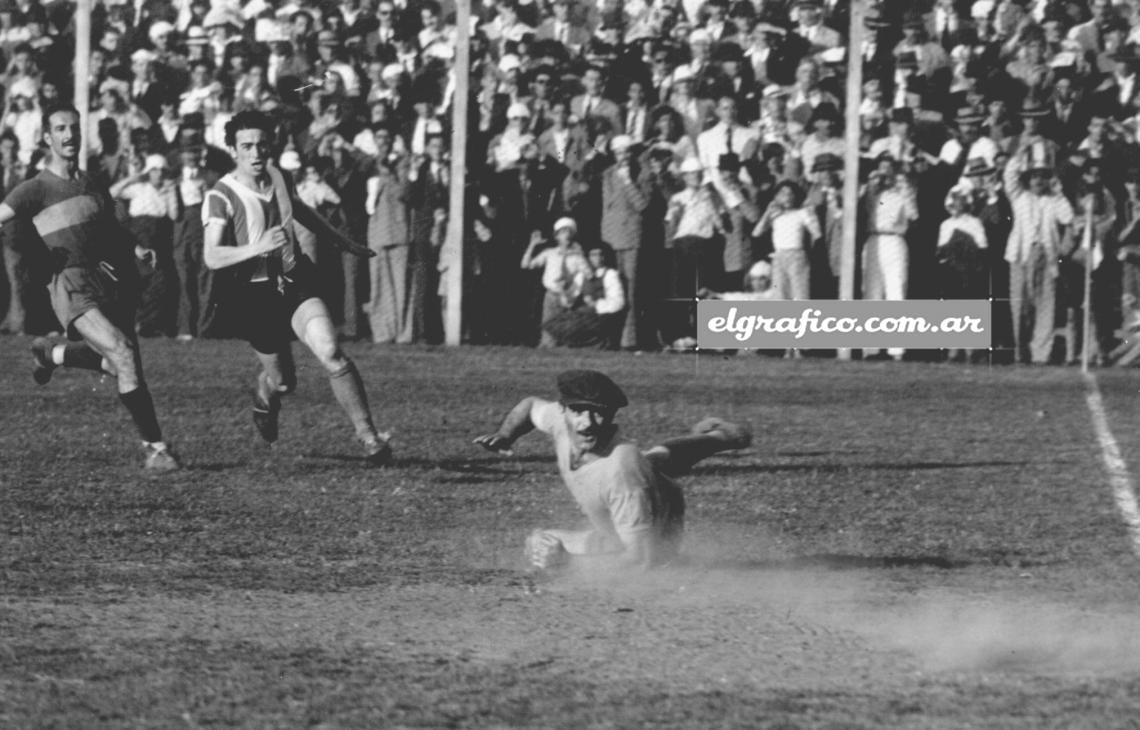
(529, 414)
(217, 255)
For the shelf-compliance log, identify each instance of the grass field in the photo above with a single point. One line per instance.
(905, 545)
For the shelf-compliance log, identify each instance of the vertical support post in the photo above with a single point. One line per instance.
(851, 158)
(456, 230)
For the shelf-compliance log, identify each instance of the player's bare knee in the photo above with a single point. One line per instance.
(332, 358)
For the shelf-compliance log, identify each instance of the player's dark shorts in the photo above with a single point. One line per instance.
(266, 310)
(75, 291)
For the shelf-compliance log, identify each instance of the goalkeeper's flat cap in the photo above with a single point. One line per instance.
(589, 388)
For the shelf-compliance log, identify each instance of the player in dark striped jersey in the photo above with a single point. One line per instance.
(248, 218)
(92, 283)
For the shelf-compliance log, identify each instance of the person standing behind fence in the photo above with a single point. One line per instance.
(194, 179)
(152, 208)
(387, 208)
(794, 230)
(693, 225)
(1040, 216)
(890, 207)
(624, 200)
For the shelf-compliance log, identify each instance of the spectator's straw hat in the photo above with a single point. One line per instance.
(566, 222)
(834, 56)
(159, 29)
(154, 162)
(691, 164)
(116, 86)
(760, 269)
(518, 110)
(700, 35)
(914, 20)
(196, 36)
(982, 9)
(392, 72)
(509, 62)
(621, 142)
(683, 74)
(328, 38)
(874, 19)
(969, 115)
(439, 50)
(978, 167)
(221, 17)
(144, 55)
(290, 161)
(775, 91)
(26, 87)
(1032, 108)
(827, 162)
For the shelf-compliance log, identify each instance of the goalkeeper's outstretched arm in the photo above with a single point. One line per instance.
(517, 423)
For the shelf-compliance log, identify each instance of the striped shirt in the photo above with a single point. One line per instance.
(246, 215)
(73, 217)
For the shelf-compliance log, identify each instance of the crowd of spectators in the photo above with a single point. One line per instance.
(623, 158)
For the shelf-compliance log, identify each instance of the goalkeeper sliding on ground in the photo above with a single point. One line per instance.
(635, 508)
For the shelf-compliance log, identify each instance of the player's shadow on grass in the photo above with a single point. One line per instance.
(836, 561)
(830, 468)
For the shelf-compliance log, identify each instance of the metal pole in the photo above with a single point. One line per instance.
(453, 246)
(1087, 244)
(82, 95)
(851, 158)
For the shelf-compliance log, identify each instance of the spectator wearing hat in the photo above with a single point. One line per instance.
(596, 303)
(932, 61)
(962, 254)
(624, 199)
(736, 198)
(1031, 68)
(636, 113)
(592, 104)
(1119, 94)
(380, 40)
(1067, 122)
(505, 150)
(968, 143)
(890, 206)
(696, 112)
(704, 70)
(152, 208)
(567, 146)
(811, 27)
(757, 286)
(737, 81)
(795, 232)
(558, 265)
(1041, 216)
(507, 26)
(1033, 113)
(1092, 199)
(716, 22)
(825, 199)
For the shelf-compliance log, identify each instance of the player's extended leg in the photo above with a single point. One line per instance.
(122, 353)
(47, 357)
(313, 325)
(277, 377)
(709, 436)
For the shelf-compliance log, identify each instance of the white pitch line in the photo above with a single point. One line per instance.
(1118, 475)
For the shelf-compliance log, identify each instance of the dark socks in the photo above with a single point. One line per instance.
(139, 404)
(83, 357)
(349, 391)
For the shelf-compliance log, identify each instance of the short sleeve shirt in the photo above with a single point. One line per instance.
(245, 214)
(73, 217)
(619, 492)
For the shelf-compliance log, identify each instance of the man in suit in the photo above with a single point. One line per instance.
(593, 104)
(737, 80)
(567, 146)
(563, 28)
(811, 27)
(526, 199)
(636, 113)
(624, 200)
(704, 71)
(193, 179)
(1089, 34)
(1068, 122)
(427, 202)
